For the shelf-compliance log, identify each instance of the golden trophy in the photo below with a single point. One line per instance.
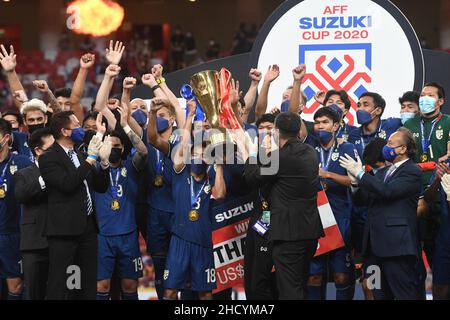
(206, 88)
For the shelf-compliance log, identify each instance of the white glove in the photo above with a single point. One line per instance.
(445, 183)
(94, 146)
(105, 151)
(353, 167)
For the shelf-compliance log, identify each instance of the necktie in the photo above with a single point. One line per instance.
(389, 173)
(88, 200)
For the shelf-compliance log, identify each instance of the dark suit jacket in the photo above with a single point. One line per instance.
(391, 225)
(29, 193)
(293, 195)
(67, 209)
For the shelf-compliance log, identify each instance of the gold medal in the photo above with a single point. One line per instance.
(193, 215)
(2, 193)
(115, 205)
(158, 182)
(265, 205)
(424, 158)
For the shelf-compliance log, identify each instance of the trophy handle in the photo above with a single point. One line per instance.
(187, 92)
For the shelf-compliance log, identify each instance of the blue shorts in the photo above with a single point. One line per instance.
(122, 251)
(441, 264)
(159, 225)
(340, 262)
(10, 257)
(188, 262)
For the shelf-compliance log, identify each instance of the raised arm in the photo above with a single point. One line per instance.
(295, 102)
(42, 86)
(112, 71)
(182, 148)
(250, 97)
(157, 72)
(140, 158)
(261, 104)
(9, 63)
(86, 62)
(128, 84)
(235, 96)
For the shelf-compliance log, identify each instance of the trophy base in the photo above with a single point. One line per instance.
(221, 148)
(218, 139)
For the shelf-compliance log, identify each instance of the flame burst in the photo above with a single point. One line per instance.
(95, 17)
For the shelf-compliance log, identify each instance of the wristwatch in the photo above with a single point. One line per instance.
(155, 87)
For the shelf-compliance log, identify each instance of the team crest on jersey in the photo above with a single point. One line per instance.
(335, 156)
(166, 274)
(207, 189)
(439, 134)
(382, 134)
(124, 172)
(416, 135)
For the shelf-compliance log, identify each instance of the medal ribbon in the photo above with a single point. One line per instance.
(376, 132)
(193, 197)
(114, 183)
(159, 163)
(426, 142)
(322, 157)
(2, 177)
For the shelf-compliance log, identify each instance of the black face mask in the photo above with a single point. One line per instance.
(116, 155)
(88, 135)
(32, 128)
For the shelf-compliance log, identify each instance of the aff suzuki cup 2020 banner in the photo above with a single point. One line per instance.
(351, 45)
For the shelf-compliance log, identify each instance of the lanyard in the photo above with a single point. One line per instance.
(2, 177)
(377, 131)
(322, 157)
(159, 163)
(194, 199)
(342, 127)
(426, 142)
(114, 183)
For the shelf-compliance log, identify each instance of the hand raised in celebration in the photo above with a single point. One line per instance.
(112, 71)
(272, 73)
(149, 80)
(255, 75)
(8, 60)
(129, 83)
(114, 52)
(299, 72)
(157, 71)
(41, 85)
(87, 61)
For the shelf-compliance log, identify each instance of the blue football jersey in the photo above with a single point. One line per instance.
(119, 221)
(9, 208)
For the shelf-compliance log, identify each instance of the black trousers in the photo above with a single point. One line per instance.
(400, 278)
(292, 259)
(73, 265)
(259, 280)
(35, 272)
